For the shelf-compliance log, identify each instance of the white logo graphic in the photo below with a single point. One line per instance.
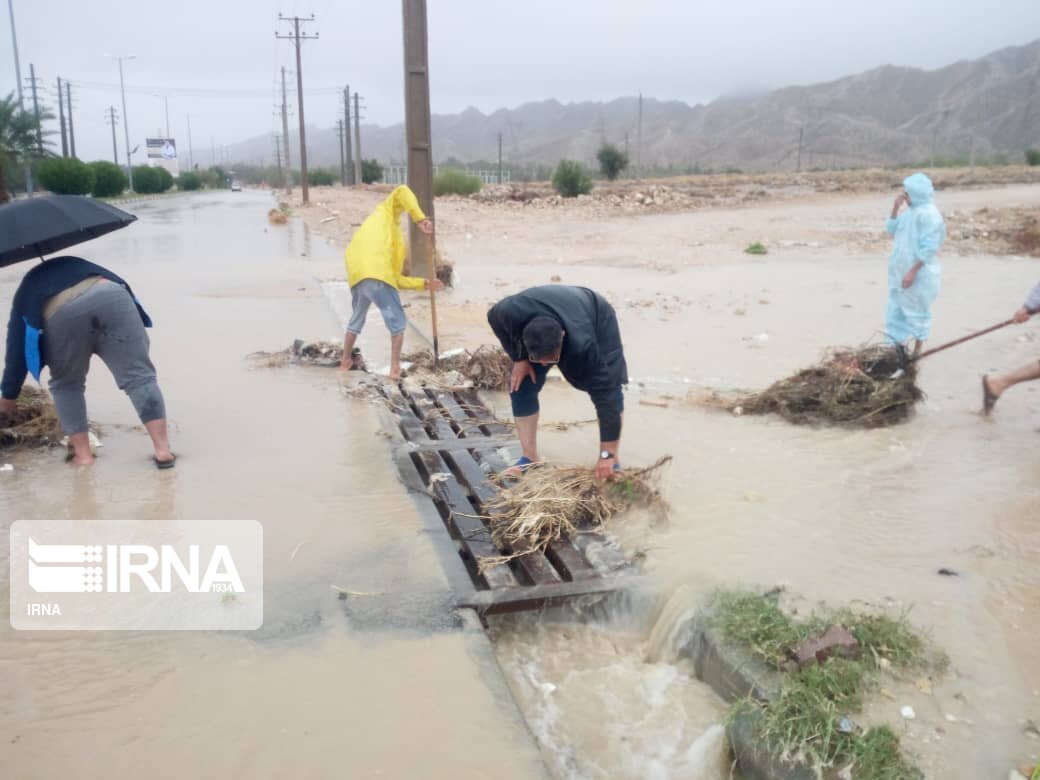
(177, 575)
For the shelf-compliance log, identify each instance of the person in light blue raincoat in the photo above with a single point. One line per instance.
(914, 273)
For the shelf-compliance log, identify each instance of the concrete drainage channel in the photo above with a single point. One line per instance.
(584, 587)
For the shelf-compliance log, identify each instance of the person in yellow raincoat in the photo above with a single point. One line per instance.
(375, 260)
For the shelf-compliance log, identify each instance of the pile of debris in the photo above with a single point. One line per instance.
(485, 368)
(870, 387)
(326, 354)
(555, 502)
(34, 423)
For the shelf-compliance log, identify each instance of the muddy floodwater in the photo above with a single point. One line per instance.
(393, 683)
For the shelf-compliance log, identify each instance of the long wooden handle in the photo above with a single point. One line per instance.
(962, 339)
(431, 269)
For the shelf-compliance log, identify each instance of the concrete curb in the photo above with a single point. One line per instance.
(734, 674)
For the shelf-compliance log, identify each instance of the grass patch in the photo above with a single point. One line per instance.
(808, 720)
(756, 248)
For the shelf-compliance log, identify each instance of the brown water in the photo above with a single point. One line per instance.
(839, 516)
(332, 688)
(387, 685)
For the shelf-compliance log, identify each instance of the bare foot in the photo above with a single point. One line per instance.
(989, 398)
(395, 373)
(81, 460)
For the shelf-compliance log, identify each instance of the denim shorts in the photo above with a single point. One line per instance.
(387, 300)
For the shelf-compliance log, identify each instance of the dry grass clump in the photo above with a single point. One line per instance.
(33, 424)
(277, 217)
(487, 367)
(855, 388)
(555, 502)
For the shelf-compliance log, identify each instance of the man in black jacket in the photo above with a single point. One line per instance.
(576, 330)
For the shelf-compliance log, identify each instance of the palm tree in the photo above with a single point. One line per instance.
(18, 139)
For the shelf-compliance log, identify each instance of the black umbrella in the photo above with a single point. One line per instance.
(41, 226)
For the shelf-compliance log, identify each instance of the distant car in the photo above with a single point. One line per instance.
(236, 185)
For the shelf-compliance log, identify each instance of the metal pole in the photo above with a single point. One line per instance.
(342, 156)
(112, 121)
(639, 139)
(347, 135)
(61, 120)
(166, 102)
(285, 137)
(36, 110)
(191, 154)
(304, 184)
(126, 128)
(72, 132)
(358, 169)
(499, 158)
(14, 44)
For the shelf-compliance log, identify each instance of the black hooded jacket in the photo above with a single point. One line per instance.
(592, 358)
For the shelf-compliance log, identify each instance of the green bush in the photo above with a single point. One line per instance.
(146, 179)
(1033, 156)
(188, 182)
(321, 177)
(612, 161)
(371, 171)
(65, 176)
(756, 248)
(455, 182)
(571, 179)
(165, 179)
(109, 179)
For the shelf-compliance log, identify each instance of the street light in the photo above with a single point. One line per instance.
(126, 127)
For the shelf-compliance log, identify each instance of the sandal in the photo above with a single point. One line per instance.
(989, 398)
(164, 464)
(519, 468)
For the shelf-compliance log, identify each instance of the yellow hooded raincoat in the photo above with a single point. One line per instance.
(377, 250)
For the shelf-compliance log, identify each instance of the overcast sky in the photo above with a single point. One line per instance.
(218, 61)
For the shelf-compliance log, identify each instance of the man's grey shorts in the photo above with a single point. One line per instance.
(369, 291)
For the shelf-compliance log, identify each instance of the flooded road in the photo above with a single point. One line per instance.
(386, 685)
(336, 688)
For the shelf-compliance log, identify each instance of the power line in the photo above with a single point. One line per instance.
(201, 92)
(297, 38)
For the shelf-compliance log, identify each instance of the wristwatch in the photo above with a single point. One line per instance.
(606, 455)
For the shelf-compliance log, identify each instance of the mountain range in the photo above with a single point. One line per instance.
(978, 109)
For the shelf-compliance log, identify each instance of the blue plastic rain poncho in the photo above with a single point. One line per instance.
(918, 232)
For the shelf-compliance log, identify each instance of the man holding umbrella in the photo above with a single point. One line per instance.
(68, 309)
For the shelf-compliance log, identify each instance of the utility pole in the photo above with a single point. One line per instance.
(639, 139)
(166, 104)
(285, 137)
(14, 44)
(72, 133)
(191, 155)
(297, 38)
(500, 158)
(417, 112)
(126, 123)
(358, 178)
(36, 110)
(346, 136)
(342, 156)
(61, 120)
(801, 134)
(110, 115)
(278, 158)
